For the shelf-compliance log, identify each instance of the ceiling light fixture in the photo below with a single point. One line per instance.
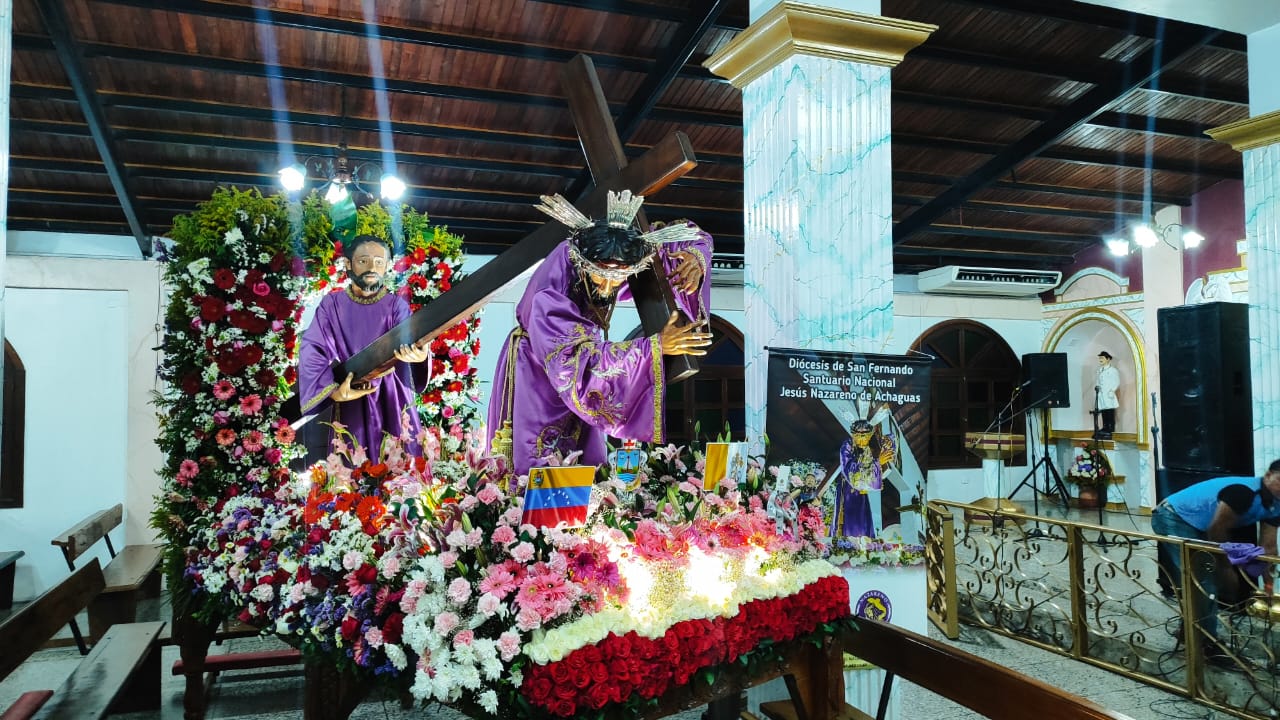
(340, 178)
(1148, 235)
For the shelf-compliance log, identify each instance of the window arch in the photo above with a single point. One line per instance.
(973, 376)
(14, 431)
(713, 398)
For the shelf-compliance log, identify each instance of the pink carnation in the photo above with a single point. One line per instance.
(466, 637)
(508, 645)
(488, 495)
(459, 591)
(526, 620)
(445, 623)
(488, 605)
(503, 535)
(522, 552)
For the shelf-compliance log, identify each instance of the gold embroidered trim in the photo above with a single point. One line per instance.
(320, 396)
(655, 354)
(371, 299)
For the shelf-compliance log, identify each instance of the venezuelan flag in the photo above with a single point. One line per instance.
(558, 494)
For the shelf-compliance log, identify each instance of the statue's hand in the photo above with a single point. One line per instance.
(689, 271)
(351, 390)
(411, 354)
(676, 339)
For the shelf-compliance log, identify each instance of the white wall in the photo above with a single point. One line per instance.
(1018, 320)
(1264, 58)
(72, 343)
(87, 333)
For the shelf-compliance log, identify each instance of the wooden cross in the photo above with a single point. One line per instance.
(657, 168)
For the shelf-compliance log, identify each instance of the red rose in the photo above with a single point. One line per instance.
(599, 673)
(367, 574)
(560, 673)
(253, 277)
(291, 375)
(564, 708)
(598, 696)
(190, 383)
(320, 582)
(393, 628)
(224, 279)
(538, 689)
(566, 691)
(350, 629)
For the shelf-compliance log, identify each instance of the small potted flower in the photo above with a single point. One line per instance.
(1091, 472)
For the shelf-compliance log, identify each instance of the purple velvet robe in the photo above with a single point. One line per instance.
(859, 472)
(341, 328)
(571, 387)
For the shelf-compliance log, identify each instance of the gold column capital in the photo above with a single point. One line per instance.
(1250, 133)
(797, 28)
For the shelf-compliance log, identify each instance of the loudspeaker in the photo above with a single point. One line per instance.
(1205, 404)
(1046, 378)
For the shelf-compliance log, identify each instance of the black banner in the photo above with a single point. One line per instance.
(857, 426)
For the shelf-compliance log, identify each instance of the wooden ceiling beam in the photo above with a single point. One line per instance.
(1014, 234)
(962, 104)
(413, 36)
(267, 180)
(1131, 161)
(1023, 208)
(1146, 124)
(646, 10)
(151, 103)
(1139, 71)
(1117, 195)
(251, 68)
(85, 88)
(1131, 23)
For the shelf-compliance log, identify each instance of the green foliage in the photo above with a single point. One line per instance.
(203, 233)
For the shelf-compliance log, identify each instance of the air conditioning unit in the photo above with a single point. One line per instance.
(961, 280)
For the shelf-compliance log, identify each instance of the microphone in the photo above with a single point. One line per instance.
(1018, 389)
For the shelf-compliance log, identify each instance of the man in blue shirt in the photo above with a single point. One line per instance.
(1209, 511)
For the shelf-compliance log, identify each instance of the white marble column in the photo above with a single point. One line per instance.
(1258, 138)
(817, 192)
(817, 180)
(6, 67)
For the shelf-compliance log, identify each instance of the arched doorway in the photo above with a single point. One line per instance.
(974, 374)
(14, 434)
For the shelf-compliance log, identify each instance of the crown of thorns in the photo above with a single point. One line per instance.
(611, 247)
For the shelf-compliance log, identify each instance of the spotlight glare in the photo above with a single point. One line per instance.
(1192, 239)
(292, 178)
(392, 187)
(1145, 236)
(1118, 246)
(336, 193)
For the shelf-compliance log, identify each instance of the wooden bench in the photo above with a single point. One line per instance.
(132, 573)
(8, 567)
(120, 674)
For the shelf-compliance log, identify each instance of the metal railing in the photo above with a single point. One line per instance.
(1099, 595)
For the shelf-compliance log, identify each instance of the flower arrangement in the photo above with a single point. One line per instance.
(420, 569)
(237, 274)
(875, 552)
(1091, 468)
(230, 334)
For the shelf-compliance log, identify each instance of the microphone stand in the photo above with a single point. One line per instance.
(1052, 480)
(997, 423)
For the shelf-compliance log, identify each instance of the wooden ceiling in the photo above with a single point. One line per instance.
(1023, 131)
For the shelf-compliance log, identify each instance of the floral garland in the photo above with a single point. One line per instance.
(856, 552)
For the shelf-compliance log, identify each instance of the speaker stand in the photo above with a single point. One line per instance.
(1052, 480)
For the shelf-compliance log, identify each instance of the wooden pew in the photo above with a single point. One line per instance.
(8, 567)
(120, 674)
(131, 573)
(991, 690)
